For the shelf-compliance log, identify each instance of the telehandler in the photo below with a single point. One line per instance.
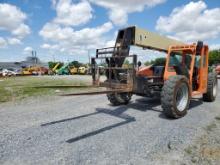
(184, 75)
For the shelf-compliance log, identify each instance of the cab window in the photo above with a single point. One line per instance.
(175, 59)
(180, 59)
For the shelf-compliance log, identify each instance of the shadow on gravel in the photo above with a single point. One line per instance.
(68, 119)
(118, 112)
(141, 104)
(145, 104)
(195, 103)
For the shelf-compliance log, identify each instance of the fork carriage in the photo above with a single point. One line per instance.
(124, 79)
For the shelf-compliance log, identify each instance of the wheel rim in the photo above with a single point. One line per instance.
(214, 89)
(182, 97)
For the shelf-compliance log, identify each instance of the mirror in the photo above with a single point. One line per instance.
(139, 64)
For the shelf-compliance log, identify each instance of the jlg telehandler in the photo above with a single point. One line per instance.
(184, 75)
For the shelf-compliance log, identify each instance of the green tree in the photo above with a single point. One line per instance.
(214, 57)
(51, 64)
(126, 62)
(147, 63)
(76, 64)
(159, 61)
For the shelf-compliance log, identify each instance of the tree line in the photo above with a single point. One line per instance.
(214, 59)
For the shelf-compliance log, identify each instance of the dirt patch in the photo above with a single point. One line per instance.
(213, 153)
(203, 150)
(206, 149)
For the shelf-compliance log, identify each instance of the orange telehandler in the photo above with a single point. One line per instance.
(184, 75)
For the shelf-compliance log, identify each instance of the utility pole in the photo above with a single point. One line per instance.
(32, 55)
(35, 57)
(89, 56)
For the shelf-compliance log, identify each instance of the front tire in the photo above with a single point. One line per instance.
(119, 98)
(175, 97)
(212, 88)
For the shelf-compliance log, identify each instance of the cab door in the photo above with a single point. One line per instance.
(203, 71)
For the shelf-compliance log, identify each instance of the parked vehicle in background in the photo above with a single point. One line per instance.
(64, 70)
(73, 70)
(9, 72)
(35, 70)
(26, 71)
(82, 70)
(0, 71)
(38, 70)
(217, 69)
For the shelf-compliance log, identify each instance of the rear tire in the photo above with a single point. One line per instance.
(212, 88)
(175, 97)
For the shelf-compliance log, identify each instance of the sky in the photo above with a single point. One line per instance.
(67, 30)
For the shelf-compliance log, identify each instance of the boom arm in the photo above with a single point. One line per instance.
(153, 41)
(143, 38)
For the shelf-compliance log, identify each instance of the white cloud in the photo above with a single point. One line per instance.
(12, 20)
(50, 47)
(21, 31)
(45, 46)
(72, 14)
(215, 47)
(27, 50)
(14, 41)
(65, 39)
(59, 34)
(191, 22)
(3, 43)
(119, 9)
(11, 17)
(55, 32)
(110, 43)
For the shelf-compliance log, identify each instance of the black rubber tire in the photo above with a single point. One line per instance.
(119, 98)
(168, 96)
(212, 81)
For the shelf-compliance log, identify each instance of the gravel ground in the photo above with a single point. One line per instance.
(87, 130)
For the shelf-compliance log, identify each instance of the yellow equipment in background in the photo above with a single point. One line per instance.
(82, 70)
(55, 67)
(34, 70)
(26, 71)
(73, 70)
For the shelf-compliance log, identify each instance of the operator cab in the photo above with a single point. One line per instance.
(190, 61)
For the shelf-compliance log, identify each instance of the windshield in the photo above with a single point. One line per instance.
(175, 59)
(180, 59)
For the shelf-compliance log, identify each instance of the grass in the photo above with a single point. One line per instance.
(18, 88)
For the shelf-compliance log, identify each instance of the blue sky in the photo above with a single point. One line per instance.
(66, 30)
